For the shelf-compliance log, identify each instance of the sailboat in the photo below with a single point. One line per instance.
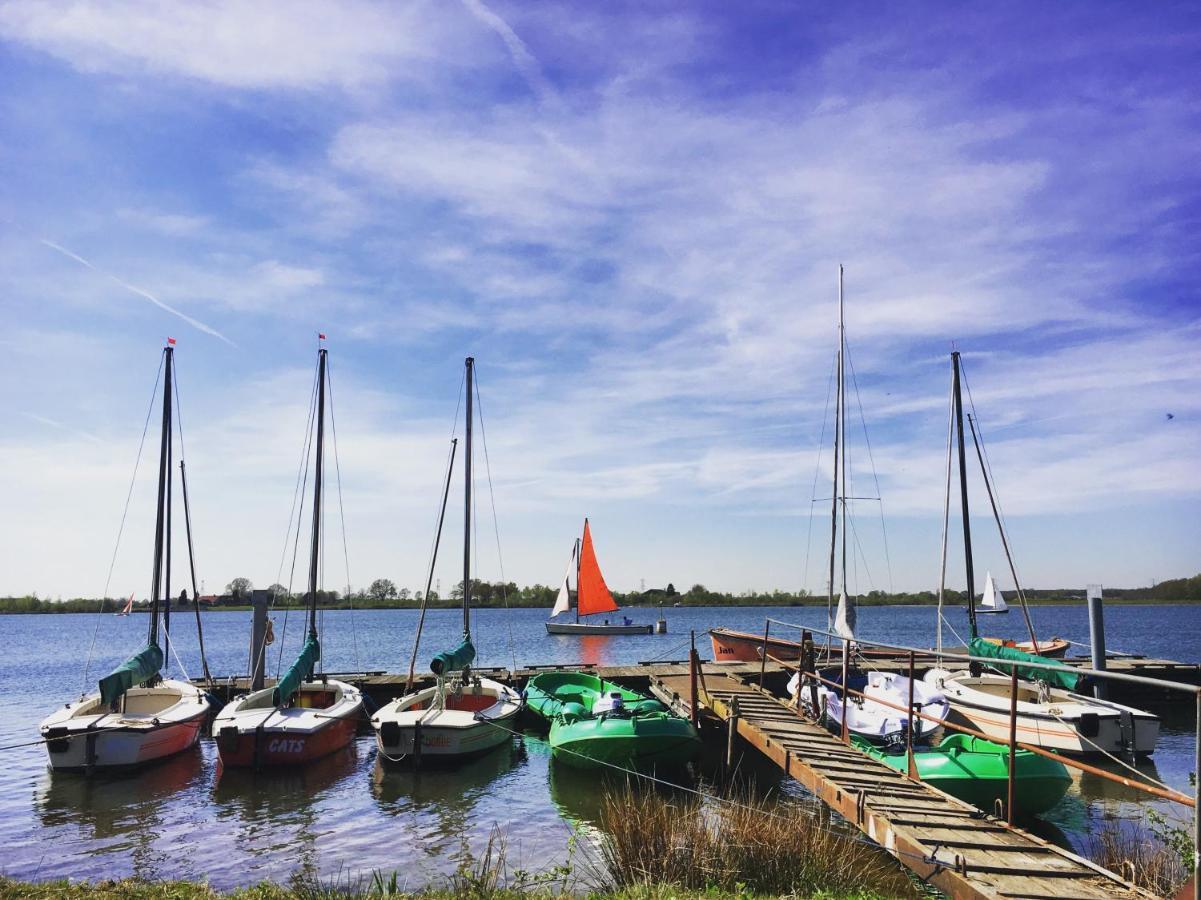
(592, 596)
(303, 717)
(462, 713)
(1050, 714)
(127, 608)
(864, 716)
(136, 716)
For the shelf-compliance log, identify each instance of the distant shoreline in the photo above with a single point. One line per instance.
(441, 604)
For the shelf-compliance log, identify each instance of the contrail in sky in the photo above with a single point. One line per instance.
(526, 63)
(195, 323)
(53, 423)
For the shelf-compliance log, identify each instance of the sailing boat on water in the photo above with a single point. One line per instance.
(127, 608)
(303, 717)
(461, 714)
(592, 596)
(136, 716)
(1050, 714)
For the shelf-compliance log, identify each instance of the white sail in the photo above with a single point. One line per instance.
(992, 601)
(563, 601)
(844, 619)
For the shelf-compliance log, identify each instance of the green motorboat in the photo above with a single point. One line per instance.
(977, 771)
(594, 723)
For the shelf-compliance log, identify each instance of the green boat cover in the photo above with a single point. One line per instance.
(458, 658)
(138, 669)
(298, 673)
(1061, 676)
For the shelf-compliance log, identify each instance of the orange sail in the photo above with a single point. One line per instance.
(593, 595)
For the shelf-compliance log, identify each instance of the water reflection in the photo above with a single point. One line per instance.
(121, 812)
(282, 809)
(442, 800)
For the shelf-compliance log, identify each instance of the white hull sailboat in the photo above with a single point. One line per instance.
(303, 717)
(150, 723)
(462, 714)
(1047, 717)
(136, 717)
(447, 720)
(592, 596)
(1049, 713)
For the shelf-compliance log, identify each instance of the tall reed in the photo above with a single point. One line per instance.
(744, 845)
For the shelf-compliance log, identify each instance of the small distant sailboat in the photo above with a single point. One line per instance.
(136, 716)
(462, 714)
(592, 596)
(991, 601)
(127, 608)
(302, 718)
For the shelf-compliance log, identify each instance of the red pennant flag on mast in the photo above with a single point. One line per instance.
(171, 341)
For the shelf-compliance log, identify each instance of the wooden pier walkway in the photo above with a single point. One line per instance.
(945, 841)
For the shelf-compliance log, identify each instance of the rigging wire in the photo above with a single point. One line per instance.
(872, 460)
(504, 592)
(121, 530)
(821, 442)
(333, 427)
(302, 479)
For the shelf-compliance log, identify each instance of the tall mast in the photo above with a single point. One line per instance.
(967, 528)
(156, 576)
(842, 421)
(167, 530)
(315, 550)
(837, 448)
(470, 364)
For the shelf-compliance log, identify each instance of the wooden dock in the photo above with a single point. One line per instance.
(944, 841)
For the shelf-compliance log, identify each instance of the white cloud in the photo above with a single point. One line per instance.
(300, 44)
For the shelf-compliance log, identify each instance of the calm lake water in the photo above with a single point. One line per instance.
(347, 816)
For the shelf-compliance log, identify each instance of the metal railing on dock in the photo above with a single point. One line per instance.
(808, 670)
(945, 841)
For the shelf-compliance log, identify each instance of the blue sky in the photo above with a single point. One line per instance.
(632, 216)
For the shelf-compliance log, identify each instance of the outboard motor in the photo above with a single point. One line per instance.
(608, 702)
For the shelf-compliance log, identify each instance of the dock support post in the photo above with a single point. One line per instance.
(846, 698)
(731, 733)
(1013, 743)
(1096, 637)
(692, 701)
(763, 662)
(1197, 809)
(910, 763)
(258, 637)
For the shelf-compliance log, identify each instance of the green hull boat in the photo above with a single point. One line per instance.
(596, 724)
(977, 771)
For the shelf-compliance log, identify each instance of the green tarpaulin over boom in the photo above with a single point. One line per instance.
(138, 669)
(298, 673)
(459, 658)
(1062, 677)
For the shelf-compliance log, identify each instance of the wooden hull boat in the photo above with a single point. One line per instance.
(743, 646)
(1054, 648)
(321, 718)
(151, 723)
(595, 628)
(977, 772)
(1047, 717)
(876, 722)
(596, 724)
(447, 721)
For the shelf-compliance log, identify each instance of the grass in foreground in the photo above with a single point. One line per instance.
(179, 890)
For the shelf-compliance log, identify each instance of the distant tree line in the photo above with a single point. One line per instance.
(384, 594)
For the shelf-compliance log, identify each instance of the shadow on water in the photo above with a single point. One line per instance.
(121, 812)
